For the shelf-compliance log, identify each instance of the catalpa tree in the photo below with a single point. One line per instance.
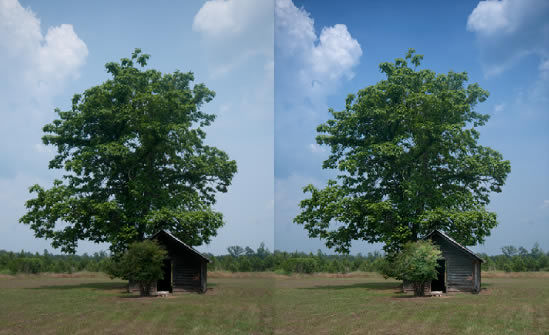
(135, 162)
(409, 162)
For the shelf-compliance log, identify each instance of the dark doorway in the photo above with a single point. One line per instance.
(165, 284)
(439, 284)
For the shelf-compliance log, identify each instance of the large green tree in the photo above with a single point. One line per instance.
(135, 162)
(409, 162)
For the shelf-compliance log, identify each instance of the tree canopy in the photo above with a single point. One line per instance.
(135, 162)
(409, 162)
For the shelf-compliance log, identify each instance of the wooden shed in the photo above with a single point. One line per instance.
(185, 269)
(458, 270)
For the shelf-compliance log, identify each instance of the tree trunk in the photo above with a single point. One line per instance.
(144, 289)
(419, 289)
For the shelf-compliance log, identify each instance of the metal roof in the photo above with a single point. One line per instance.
(451, 240)
(180, 242)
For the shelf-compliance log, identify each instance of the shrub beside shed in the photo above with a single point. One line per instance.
(185, 269)
(458, 270)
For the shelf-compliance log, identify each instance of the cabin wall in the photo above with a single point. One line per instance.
(460, 267)
(462, 270)
(187, 274)
(477, 276)
(188, 270)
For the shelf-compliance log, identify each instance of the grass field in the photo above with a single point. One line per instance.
(360, 303)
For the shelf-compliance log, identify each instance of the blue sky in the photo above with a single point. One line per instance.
(502, 45)
(51, 50)
(275, 82)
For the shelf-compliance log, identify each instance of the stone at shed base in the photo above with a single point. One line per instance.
(162, 293)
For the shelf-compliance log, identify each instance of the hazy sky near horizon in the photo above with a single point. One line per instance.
(277, 66)
(326, 50)
(50, 50)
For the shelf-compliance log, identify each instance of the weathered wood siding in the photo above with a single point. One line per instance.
(186, 274)
(462, 270)
(459, 266)
(477, 276)
(187, 267)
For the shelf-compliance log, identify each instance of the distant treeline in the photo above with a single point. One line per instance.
(27, 262)
(518, 259)
(245, 259)
(248, 260)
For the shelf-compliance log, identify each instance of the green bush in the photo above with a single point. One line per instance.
(142, 264)
(417, 263)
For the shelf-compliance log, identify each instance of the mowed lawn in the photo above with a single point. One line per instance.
(508, 304)
(99, 305)
(359, 303)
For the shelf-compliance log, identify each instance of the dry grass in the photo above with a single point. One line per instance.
(502, 274)
(371, 305)
(99, 305)
(83, 274)
(267, 303)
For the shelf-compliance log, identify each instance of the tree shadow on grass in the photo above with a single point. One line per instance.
(370, 286)
(95, 286)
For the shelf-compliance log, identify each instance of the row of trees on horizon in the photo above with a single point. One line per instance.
(246, 259)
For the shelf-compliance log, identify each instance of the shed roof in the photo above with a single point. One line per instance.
(452, 241)
(183, 244)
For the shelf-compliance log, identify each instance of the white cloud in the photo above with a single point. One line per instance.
(544, 69)
(235, 33)
(490, 17)
(336, 53)
(62, 53)
(509, 30)
(219, 18)
(295, 27)
(499, 107)
(316, 149)
(322, 60)
(35, 68)
(43, 149)
(545, 204)
(31, 60)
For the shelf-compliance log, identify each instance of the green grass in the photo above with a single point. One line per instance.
(268, 303)
(43, 305)
(372, 305)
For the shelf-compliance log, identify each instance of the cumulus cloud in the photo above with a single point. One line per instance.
(317, 149)
(235, 33)
(499, 108)
(509, 30)
(310, 66)
(34, 62)
(490, 17)
(218, 18)
(35, 67)
(321, 60)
